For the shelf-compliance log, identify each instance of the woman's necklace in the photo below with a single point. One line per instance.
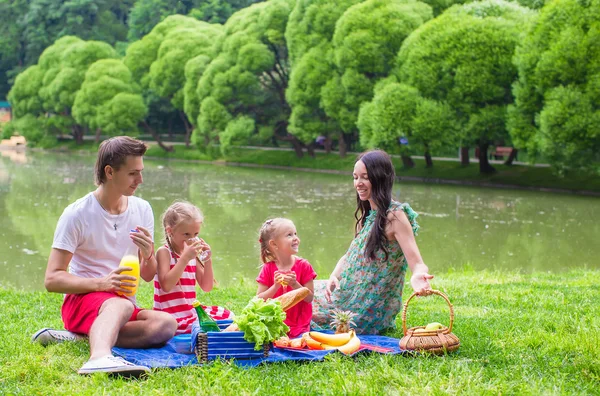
(118, 215)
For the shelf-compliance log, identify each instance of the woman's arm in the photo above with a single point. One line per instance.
(402, 232)
(334, 279)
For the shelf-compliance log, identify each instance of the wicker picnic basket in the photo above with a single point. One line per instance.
(226, 345)
(437, 342)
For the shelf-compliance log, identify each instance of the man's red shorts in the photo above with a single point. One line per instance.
(79, 311)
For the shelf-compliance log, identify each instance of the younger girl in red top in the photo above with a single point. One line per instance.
(183, 261)
(283, 271)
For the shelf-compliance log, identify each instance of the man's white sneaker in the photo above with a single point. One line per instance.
(113, 365)
(47, 336)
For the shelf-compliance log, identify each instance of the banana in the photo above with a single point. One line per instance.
(310, 343)
(331, 339)
(350, 347)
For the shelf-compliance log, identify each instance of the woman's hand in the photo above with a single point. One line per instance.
(115, 282)
(332, 283)
(420, 282)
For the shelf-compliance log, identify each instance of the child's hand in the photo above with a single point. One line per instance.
(279, 278)
(289, 278)
(205, 253)
(191, 248)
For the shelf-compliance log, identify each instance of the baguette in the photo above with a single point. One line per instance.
(287, 301)
(290, 299)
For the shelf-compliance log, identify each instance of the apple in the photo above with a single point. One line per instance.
(434, 326)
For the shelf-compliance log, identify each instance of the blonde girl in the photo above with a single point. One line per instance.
(184, 260)
(283, 271)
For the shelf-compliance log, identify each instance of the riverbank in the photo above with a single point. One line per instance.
(444, 172)
(520, 334)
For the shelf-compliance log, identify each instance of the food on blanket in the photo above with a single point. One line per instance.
(232, 327)
(312, 344)
(132, 262)
(298, 343)
(289, 299)
(342, 320)
(262, 322)
(434, 326)
(206, 322)
(348, 348)
(331, 339)
(282, 342)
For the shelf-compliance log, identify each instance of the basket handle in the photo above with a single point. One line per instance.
(428, 293)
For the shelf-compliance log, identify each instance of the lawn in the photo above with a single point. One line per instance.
(520, 334)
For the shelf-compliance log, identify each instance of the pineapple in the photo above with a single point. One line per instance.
(342, 320)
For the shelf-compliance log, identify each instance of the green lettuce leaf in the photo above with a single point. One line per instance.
(262, 321)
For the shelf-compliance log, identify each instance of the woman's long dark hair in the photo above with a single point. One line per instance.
(381, 175)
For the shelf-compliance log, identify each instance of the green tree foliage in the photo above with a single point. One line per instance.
(29, 27)
(247, 79)
(309, 36)
(146, 14)
(463, 59)
(557, 96)
(398, 111)
(24, 96)
(109, 101)
(366, 41)
(158, 61)
(50, 86)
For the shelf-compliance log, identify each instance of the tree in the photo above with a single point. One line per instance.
(109, 101)
(309, 37)
(463, 59)
(557, 96)
(146, 14)
(366, 40)
(247, 79)
(159, 59)
(29, 27)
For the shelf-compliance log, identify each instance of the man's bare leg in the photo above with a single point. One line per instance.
(151, 329)
(112, 316)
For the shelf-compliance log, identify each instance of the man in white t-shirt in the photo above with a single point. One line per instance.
(91, 237)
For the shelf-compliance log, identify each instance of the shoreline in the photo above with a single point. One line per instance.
(416, 179)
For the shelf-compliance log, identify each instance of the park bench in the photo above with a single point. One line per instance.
(499, 152)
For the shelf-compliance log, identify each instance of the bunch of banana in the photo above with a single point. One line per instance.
(347, 343)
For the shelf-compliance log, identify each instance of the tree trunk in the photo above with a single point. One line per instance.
(511, 157)
(98, 133)
(188, 127)
(77, 133)
(327, 145)
(156, 137)
(407, 162)
(464, 156)
(310, 148)
(484, 164)
(428, 161)
(343, 147)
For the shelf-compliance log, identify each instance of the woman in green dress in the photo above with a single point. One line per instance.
(368, 280)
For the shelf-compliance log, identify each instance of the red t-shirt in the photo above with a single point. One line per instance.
(299, 316)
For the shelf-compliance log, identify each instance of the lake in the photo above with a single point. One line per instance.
(460, 226)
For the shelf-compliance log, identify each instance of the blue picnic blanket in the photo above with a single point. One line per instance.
(178, 352)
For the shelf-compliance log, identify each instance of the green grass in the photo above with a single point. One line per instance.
(527, 334)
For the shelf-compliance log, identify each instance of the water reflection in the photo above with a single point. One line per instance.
(459, 225)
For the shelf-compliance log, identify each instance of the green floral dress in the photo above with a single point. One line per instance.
(372, 290)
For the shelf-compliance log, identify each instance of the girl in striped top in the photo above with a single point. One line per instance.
(180, 267)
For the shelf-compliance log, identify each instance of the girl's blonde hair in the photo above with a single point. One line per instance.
(268, 231)
(177, 213)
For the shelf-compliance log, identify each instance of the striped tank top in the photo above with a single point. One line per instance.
(178, 301)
